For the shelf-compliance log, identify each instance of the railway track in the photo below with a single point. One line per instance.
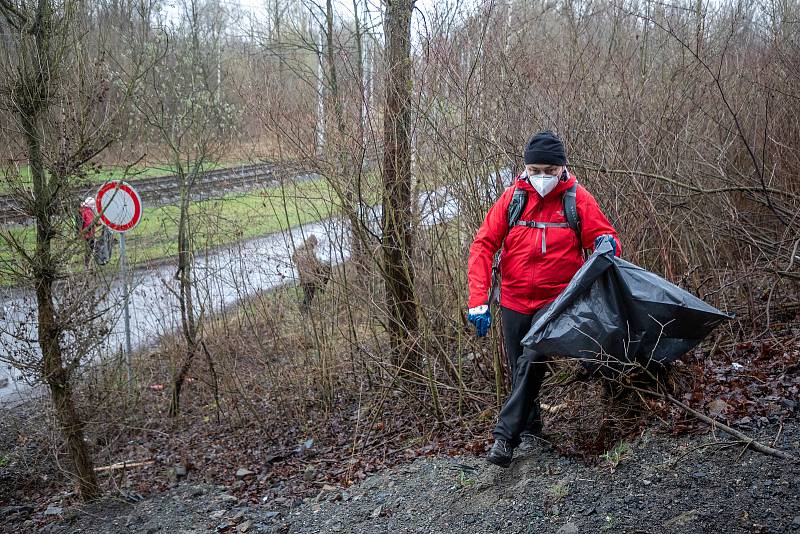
(162, 190)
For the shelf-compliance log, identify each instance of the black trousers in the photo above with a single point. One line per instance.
(521, 410)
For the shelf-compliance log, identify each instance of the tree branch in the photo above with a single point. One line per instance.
(15, 18)
(753, 444)
(698, 190)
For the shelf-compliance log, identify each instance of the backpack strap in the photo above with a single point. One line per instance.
(570, 201)
(515, 208)
(543, 226)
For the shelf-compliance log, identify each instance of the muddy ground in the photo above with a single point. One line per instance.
(656, 483)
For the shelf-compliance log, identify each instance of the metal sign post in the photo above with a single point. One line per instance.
(123, 267)
(120, 209)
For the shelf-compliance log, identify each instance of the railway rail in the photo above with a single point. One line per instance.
(161, 190)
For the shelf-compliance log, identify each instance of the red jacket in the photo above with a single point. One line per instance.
(87, 218)
(531, 279)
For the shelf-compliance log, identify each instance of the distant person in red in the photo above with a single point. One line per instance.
(99, 242)
(541, 253)
(87, 227)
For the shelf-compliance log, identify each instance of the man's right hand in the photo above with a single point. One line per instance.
(481, 318)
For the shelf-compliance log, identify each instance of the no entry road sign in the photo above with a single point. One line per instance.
(120, 209)
(119, 206)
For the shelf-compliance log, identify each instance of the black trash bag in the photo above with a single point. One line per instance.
(613, 314)
(103, 246)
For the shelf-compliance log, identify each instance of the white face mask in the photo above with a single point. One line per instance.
(543, 183)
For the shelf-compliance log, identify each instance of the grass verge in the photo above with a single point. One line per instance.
(213, 223)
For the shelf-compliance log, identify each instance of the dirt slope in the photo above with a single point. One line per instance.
(661, 484)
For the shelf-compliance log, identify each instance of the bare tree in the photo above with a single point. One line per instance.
(188, 114)
(65, 113)
(397, 218)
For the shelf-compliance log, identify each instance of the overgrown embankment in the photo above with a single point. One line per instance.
(302, 424)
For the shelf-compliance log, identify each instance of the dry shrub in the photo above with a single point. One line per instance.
(32, 454)
(588, 416)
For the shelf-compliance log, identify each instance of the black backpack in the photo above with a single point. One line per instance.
(515, 208)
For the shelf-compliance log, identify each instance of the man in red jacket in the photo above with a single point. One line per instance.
(541, 253)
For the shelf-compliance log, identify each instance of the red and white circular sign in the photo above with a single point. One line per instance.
(119, 206)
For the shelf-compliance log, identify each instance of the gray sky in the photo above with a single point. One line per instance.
(344, 8)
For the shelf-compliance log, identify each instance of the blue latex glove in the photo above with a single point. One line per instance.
(481, 318)
(606, 237)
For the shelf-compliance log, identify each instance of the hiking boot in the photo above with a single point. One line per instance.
(501, 453)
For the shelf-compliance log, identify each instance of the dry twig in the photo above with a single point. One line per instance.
(751, 443)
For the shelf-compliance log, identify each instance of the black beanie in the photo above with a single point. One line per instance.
(545, 147)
